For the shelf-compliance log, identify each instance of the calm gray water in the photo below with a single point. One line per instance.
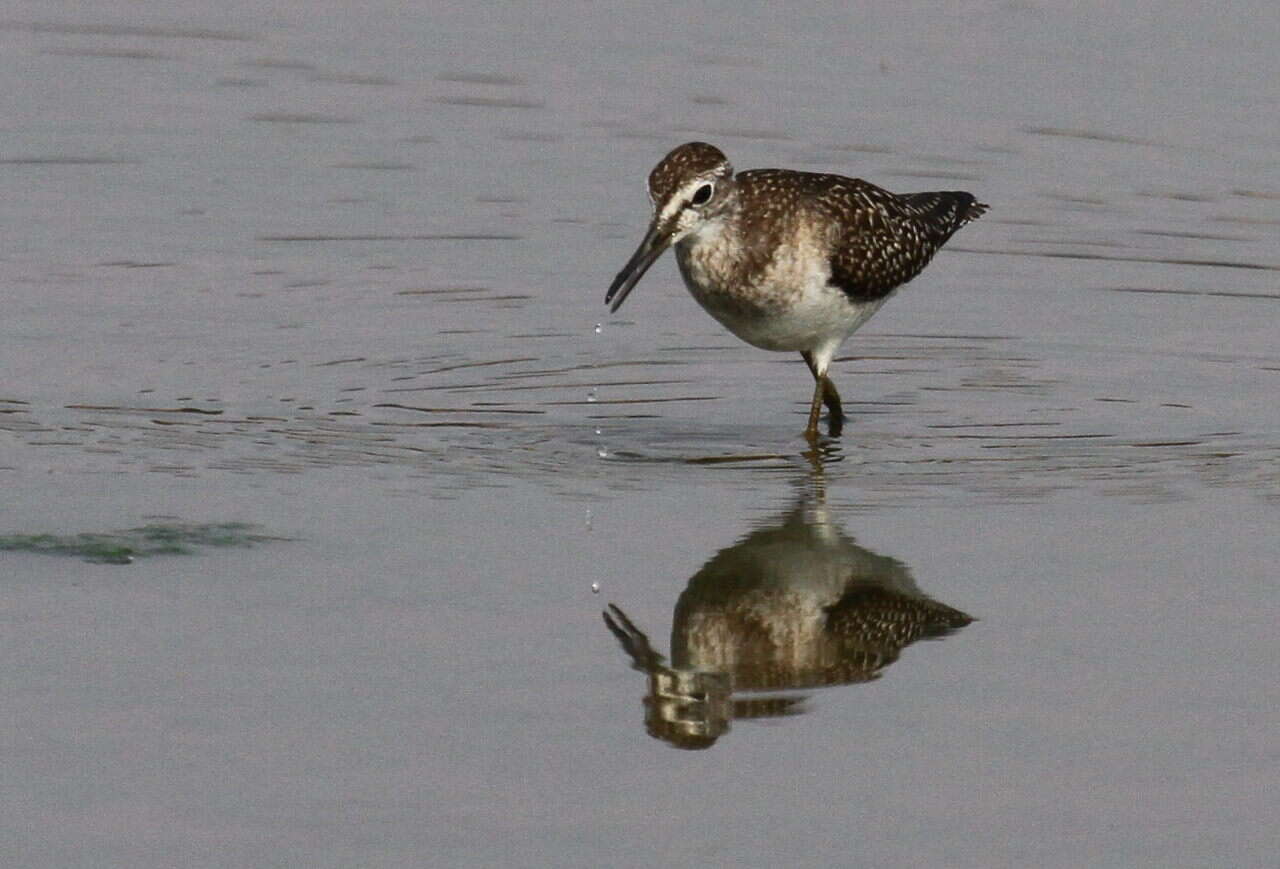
(337, 271)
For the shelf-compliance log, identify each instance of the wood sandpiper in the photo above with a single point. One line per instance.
(789, 260)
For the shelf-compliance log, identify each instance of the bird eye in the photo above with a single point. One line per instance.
(702, 195)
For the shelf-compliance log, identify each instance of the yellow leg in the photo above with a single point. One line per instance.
(815, 408)
(824, 392)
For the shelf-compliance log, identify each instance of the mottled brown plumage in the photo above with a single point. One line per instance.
(789, 260)
(685, 162)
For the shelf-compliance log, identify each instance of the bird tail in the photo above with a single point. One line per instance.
(945, 210)
(973, 209)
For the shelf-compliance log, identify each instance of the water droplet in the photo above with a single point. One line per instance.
(591, 396)
(598, 431)
(595, 588)
(599, 328)
(588, 519)
(601, 452)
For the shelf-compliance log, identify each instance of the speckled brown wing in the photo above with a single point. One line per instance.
(877, 618)
(894, 237)
(889, 238)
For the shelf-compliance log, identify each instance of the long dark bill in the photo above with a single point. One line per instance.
(651, 247)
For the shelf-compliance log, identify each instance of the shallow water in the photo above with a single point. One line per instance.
(340, 277)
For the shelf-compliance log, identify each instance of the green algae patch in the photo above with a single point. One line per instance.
(123, 547)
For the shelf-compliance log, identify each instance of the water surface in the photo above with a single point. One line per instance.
(339, 276)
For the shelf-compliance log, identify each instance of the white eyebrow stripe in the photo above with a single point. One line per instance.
(682, 195)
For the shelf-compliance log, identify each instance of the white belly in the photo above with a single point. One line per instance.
(788, 306)
(785, 317)
(818, 317)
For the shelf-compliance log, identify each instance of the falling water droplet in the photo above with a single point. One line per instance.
(588, 518)
(601, 452)
(591, 396)
(595, 588)
(598, 431)
(599, 328)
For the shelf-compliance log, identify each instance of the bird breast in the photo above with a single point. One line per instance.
(771, 295)
(748, 273)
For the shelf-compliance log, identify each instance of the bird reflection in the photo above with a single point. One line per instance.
(794, 605)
